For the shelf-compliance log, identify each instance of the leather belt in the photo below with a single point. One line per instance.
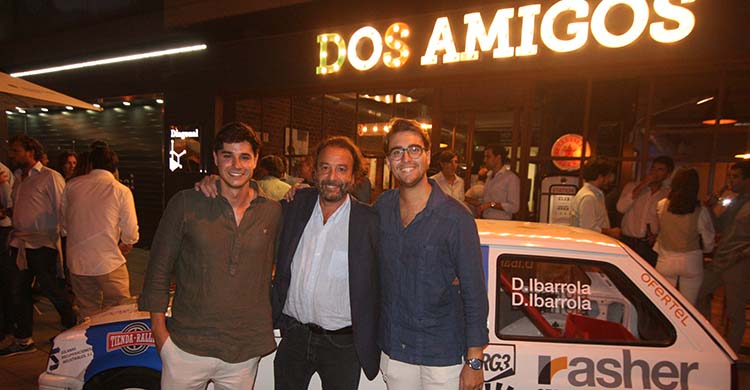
(317, 329)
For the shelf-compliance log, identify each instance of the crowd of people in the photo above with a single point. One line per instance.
(698, 246)
(341, 307)
(315, 240)
(65, 233)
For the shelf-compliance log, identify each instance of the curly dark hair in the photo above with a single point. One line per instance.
(683, 198)
(398, 125)
(594, 168)
(29, 144)
(343, 143)
(446, 156)
(236, 132)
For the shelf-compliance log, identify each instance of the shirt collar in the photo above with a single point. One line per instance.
(34, 168)
(101, 172)
(596, 190)
(437, 197)
(504, 169)
(253, 185)
(319, 209)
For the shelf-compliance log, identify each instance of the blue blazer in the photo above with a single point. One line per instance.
(364, 278)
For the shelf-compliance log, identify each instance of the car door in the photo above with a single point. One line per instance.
(579, 320)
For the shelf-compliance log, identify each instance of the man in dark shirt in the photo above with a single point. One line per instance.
(221, 253)
(434, 309)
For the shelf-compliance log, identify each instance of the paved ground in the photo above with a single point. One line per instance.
(21, 372)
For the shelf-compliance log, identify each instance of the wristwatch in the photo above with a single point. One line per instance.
(474, 364)
(492, 205)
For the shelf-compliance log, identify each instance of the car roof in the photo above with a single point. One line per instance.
(548, 236)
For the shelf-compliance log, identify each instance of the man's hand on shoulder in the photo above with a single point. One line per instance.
(289, 196)
(207, 186)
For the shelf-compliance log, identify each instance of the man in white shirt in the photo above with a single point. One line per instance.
(473, 196)
(502, 192)
(638, 202)
(327, 286)
(98, 214)
(449, 182)
(35, 241)
(588, 210)
(6, 225)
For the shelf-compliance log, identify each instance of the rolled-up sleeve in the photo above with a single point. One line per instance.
(625, 201)
(164, 252)
(465, 248)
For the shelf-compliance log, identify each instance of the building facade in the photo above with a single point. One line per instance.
(552, 81)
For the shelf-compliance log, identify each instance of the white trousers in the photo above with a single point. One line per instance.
(404, 376)
(686, 267)
(184, 371)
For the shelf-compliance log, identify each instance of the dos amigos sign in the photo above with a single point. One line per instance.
(672, 22)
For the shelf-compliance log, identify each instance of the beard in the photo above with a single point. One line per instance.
(18, 164)
(333, 196)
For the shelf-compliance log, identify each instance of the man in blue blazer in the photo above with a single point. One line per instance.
(326, 290)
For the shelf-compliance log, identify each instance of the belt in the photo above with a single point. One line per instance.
(317, 329)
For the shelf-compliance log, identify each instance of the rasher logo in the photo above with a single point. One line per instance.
(613, 373)
(548, 368)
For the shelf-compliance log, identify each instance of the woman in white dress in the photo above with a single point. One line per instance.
(685, 233)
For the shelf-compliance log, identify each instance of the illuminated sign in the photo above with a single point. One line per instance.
(180, 150)
(674, 23)
(177, 133)
(569, 145)
(396, 54)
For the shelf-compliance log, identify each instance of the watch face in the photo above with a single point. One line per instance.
(475, 364)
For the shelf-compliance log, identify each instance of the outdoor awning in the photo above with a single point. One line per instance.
(15, 92)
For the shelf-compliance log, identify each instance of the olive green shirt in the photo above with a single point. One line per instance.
(221, 305)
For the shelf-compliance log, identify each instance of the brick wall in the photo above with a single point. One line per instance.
(313, 114)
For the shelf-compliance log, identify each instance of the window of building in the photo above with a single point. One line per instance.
(574, 300)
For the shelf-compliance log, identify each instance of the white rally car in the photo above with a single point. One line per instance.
(569, 309)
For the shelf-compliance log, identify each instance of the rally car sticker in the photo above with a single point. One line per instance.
(120, 344)
(499, 362)
(69, 352)
(622, 372)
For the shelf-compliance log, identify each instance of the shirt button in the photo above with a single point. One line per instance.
(403, 346)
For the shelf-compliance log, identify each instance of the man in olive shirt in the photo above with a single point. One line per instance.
(221, 253)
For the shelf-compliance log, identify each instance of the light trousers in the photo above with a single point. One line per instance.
(404, 376)
(687, 268)
(184, 371)
(99, 292)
